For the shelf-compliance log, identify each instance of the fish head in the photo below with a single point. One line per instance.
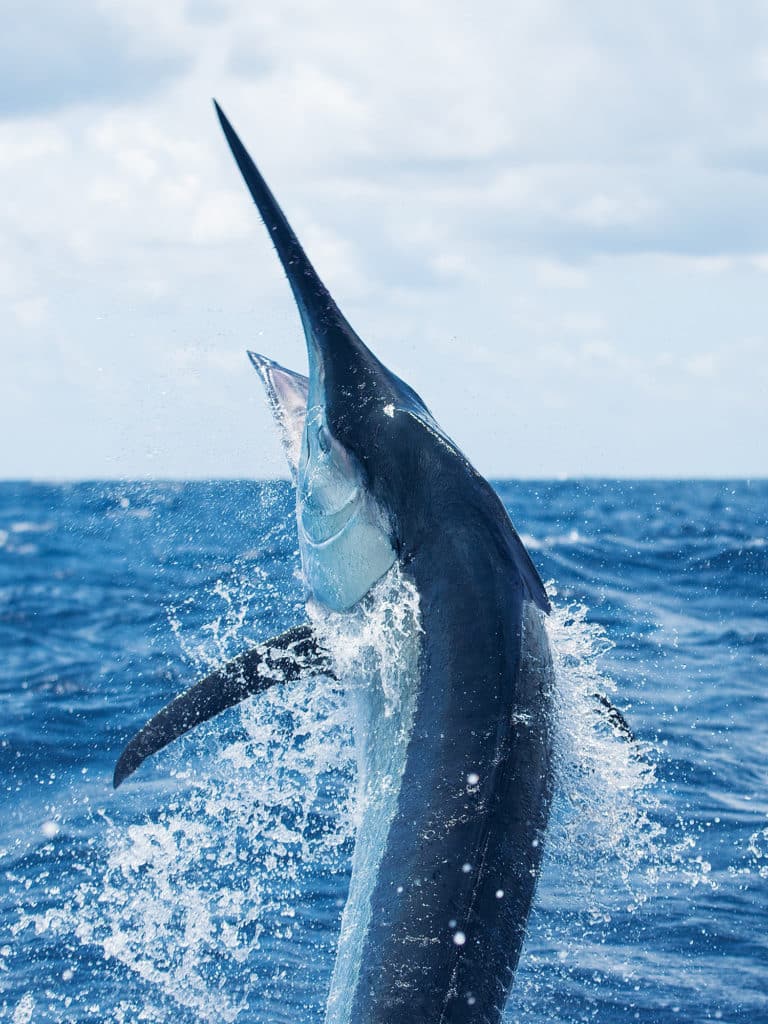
(346, 427)
(345, 536)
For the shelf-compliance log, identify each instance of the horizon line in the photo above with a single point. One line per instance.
(557, 478)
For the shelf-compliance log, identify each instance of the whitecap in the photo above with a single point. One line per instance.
(24, 526)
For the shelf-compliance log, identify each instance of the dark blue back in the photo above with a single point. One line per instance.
(482, 712)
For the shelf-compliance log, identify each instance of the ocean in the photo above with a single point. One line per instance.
(210, 886)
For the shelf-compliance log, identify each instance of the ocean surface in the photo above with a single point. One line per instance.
(210, 886)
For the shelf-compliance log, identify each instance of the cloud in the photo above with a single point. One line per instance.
(607, 211)
(220, 217)
(524, 204)
(206, 12)
(554, 274)
(704, 364)
(31, 313)
(54, 55)
(583, 322)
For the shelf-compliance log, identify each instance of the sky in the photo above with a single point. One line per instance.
(550, 218)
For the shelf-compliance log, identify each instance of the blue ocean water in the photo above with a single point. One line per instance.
(210, 887)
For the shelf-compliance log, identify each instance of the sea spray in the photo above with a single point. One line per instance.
(607, 826)
(211, 903)
(604, 826)
(189, 901)
(608, 851)
(198, 899)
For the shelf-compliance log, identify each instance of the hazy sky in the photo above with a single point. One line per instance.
(551, 218)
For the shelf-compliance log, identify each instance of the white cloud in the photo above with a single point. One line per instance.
(53, 56)
(453, 264)
(220, 217)
(711, 264)
(553, 274)
(609, 211)
(31, 313)
(602, 351)
(494, 176)
(761, 64)
(706, 265)
(705, 364)
(30, 143)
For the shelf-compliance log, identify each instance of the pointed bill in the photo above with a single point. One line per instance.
(314, 303)
(329, 336)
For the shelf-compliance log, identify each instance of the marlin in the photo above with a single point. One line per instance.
(459, 782)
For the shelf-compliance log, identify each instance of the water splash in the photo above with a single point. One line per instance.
(228, 899)
(196, 900)
(757, 849)
(607, 825)
(218, 639)
(189, 900)
(610, 848)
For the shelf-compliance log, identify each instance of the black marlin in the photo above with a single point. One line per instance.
(450, 842)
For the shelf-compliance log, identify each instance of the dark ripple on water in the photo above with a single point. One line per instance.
(210, 889)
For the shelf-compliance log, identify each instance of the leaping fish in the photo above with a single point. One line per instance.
(445, 866)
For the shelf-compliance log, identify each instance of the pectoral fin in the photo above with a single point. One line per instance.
(279, 660)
